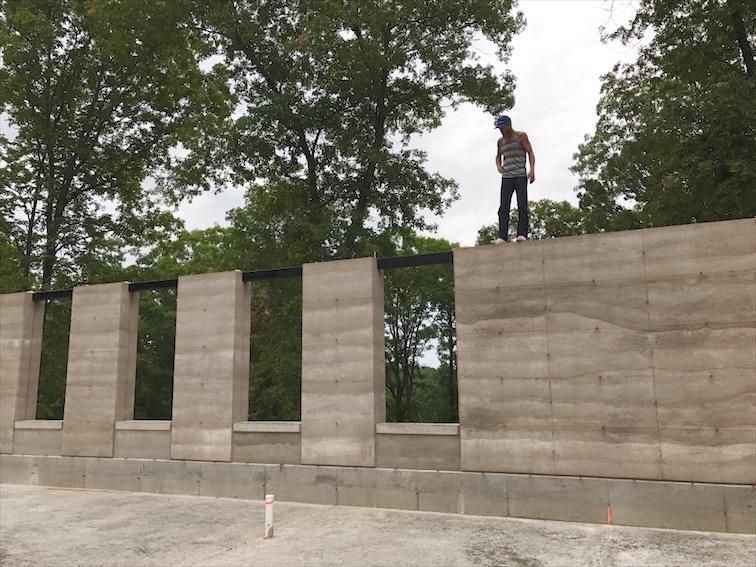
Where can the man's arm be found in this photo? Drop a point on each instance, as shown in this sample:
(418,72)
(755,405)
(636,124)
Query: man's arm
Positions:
(498,157)
(531,155)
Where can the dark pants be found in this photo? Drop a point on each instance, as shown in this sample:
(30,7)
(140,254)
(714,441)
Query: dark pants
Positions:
(509,186)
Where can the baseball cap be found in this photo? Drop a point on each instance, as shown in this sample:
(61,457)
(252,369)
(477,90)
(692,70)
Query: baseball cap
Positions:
(502,120)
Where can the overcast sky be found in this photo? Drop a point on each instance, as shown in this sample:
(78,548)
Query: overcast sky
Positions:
(558,61)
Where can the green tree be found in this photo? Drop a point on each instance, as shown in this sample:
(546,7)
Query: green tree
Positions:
(331,92)
(11,273)
(51,391)
(417,305)
(100,92)
(548,219)
(156,339)
(676,132)
(275,374)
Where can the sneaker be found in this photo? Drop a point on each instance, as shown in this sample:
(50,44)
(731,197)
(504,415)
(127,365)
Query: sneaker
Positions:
(498,241)
(520,238)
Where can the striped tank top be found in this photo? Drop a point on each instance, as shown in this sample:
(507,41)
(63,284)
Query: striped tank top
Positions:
(512,155)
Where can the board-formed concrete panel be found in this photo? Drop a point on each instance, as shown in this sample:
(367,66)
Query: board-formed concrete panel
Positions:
(111,474)
(38,437)
(277,445)
(641,363)
(711,247)
(668,505)
(101,368)
(707,401)
(709,455)
(20,346)
(587,258)
(232,480)
(418,451)
(211,368)
(503,449)
(343,373)
(170,477)
(145,439)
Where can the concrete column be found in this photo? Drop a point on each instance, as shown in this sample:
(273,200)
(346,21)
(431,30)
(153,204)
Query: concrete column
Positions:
(21,322)
(211,371)
(101,368)
(343,369)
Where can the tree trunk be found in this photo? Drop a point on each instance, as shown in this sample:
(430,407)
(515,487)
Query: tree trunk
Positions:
(742,36)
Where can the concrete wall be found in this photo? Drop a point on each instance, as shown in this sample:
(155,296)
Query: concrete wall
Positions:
(100,378)
(274,442)
(626,355)
(584,360)
(343,368)
(689,506)
(21,322)
(211,372)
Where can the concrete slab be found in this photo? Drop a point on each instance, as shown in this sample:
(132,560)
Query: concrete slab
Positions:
(105,528)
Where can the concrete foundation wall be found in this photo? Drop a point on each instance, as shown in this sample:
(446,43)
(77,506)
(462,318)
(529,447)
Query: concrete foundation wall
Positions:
(690,506)
(626,355)
(614,369)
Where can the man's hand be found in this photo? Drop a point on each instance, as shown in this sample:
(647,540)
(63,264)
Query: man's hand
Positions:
(531,176)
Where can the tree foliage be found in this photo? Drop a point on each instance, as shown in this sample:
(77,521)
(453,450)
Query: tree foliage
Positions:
(99,91)
(331,93)
(419,308)
(676,133)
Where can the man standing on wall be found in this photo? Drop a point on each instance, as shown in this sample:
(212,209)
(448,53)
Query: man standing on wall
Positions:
(510,161)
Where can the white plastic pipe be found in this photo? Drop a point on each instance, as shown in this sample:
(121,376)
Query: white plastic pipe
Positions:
(269,501)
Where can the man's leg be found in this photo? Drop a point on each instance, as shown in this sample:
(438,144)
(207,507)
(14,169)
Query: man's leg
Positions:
(507,188)
(521,185)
